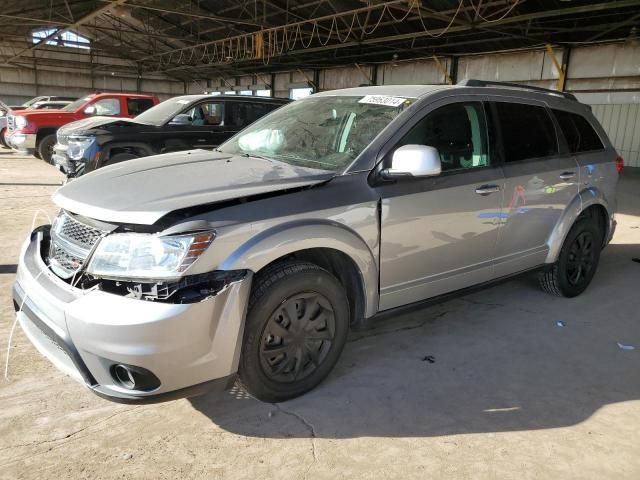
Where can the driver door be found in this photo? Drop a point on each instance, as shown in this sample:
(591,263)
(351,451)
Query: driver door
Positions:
(203,130)
(439,234)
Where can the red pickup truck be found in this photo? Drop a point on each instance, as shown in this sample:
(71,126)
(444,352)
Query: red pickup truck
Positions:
(34,131)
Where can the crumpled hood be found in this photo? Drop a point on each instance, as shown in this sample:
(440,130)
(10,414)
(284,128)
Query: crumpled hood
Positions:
(142,191)
(81,126)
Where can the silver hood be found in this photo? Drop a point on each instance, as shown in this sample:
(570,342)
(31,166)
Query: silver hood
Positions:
(144,190)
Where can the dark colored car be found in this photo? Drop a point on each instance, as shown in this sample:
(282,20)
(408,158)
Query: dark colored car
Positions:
(180,123)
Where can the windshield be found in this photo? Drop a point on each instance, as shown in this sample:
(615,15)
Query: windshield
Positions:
(319,132)
(73,106)
(163,112)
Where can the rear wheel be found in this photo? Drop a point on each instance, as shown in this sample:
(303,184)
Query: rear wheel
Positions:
(577,263)
(296,328)
(45,148)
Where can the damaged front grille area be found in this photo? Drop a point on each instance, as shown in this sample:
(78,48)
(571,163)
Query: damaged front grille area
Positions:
(71,244)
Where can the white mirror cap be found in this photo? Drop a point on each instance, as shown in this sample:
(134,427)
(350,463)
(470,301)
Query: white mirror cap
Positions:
(416,160)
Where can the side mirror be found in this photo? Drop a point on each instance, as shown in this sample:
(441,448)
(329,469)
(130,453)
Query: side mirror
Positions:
(413,161)
(181,119)
(90,110)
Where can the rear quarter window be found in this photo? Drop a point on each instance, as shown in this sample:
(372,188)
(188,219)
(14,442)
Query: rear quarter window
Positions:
(527,131)
(241,114)
(136,106)
(578,132)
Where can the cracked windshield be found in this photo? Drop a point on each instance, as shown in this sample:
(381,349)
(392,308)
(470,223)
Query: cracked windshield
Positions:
(325,133)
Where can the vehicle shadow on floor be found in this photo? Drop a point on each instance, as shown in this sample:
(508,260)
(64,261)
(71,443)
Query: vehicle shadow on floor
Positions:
(503,359)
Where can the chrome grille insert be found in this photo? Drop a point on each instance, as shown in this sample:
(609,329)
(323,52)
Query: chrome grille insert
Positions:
(71,244)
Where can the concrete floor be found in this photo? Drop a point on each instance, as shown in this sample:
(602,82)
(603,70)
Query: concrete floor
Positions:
(510,394)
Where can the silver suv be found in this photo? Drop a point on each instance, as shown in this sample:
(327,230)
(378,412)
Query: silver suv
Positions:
(174,273)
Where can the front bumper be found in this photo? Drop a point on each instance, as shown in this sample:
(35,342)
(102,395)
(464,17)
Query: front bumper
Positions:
(188,347)
(22,142)
(61,161)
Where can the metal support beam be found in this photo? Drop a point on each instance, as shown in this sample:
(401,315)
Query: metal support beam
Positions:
(90,16)
(561,68)
(443,70)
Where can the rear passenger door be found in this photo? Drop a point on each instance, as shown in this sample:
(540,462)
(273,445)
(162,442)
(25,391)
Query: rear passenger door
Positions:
(541,179)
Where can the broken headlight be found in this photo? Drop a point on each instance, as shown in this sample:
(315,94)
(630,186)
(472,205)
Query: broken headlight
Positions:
(78,146)
(137,255)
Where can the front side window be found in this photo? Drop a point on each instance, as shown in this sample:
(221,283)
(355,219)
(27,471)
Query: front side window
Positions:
(579,134)
(210,113)
(326,132)
(459,133)
(107,106)
(527,131)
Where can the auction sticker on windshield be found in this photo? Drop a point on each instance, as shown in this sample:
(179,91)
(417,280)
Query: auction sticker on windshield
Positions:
(383,100)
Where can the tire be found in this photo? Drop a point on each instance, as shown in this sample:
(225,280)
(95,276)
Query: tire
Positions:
(3,142)
(577,263)
(296,328)
(45,148)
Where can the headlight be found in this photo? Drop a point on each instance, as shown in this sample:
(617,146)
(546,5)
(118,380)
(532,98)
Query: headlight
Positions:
(78,146)
(136,255)
(21,122)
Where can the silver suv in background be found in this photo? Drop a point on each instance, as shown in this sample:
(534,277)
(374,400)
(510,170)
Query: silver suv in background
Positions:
(174,273)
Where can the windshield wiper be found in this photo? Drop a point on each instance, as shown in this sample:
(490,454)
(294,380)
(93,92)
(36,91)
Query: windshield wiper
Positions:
(256,155)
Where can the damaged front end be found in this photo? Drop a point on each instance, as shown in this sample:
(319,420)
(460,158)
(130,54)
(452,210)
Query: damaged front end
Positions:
(130,339)
(189,289)
(145,266)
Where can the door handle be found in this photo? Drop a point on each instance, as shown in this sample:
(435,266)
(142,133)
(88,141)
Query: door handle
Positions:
(487,189)
(567,175)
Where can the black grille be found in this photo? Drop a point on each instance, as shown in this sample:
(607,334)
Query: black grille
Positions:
(11,122)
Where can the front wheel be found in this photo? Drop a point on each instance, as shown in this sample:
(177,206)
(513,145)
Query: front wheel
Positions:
(577,263)
(45,148)
(296,328)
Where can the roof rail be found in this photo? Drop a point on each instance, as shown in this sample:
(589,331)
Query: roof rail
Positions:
(472,82)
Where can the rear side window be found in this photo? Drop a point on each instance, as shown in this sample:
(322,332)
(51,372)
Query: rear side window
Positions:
(580,135)
(138,105)
(527,131)
(241,114)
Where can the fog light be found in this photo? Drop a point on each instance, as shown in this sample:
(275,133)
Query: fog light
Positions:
(134,378)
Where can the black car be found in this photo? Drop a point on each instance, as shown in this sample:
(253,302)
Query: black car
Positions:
(180,123)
